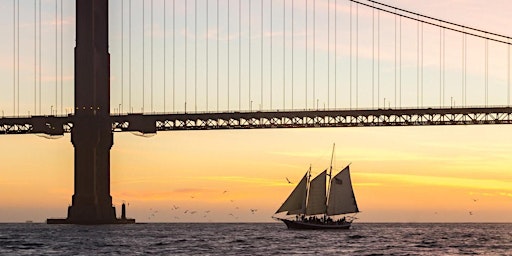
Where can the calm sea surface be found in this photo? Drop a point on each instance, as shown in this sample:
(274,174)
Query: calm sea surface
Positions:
(255,239)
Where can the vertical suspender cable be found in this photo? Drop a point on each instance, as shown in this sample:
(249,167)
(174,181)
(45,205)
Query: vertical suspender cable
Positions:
(173,55)
(130,108)
(418,64)
(357,55)
(40,69)
(261,57)
(165,54)
(284,54)
(239,54)
(35,57)
(122,55)
(56,55)
(207,45)
(508,72)
(328,53)
(444,65)
(186,51)
(18,58)
(350,64)
(14,57)
(462,65)
(143,53)
(195,56)
(395,57)
(400,69)
(422,63)
(217,57)
(61,57)
(486,71)
(229,40)
(306,57)
(314,53)
(18,61)
(373,55)
(440,65)
(152,63)
(293,48)
(335,53)
(271,53)
(378,58)
(250,39)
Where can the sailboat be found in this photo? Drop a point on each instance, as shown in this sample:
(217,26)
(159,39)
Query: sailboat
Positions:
(317,206)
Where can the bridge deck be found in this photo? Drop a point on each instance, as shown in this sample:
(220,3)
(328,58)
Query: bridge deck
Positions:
(152,123)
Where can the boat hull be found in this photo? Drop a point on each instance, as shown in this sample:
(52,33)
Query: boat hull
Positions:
(291,224)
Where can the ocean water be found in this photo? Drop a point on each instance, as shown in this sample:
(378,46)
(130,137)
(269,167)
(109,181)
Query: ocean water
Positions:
(255,239)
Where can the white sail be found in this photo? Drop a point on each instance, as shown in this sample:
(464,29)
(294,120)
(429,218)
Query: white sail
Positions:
(296,202)
(317,197)
(341,194)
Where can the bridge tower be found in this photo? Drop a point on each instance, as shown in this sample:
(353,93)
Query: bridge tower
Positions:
(92,135)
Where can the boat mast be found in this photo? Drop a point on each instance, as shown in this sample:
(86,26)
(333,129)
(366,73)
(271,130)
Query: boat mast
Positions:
(307,189)
(329,183)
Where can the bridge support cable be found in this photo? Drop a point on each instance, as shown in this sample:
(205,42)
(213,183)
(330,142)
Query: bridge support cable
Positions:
(336,54)
(186,54)
(306,58)
(508,74)
(152,62)
(350,57)
(228,54)
(130,108)
(240,55)
(486,72)
(373,58)
(357,56)
(284,54)
(35,57)
(271,52)
(400,64)
(165,54)
(378,59)
(314,55)
(143,54)
(261,56)
(328,53)
(207,46)
(122,57)
(435,22)
(40,55)
(195,55)
(174,54)
(293,49)
(395,80)
(61,56)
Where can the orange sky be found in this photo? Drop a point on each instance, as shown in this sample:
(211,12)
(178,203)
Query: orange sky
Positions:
(399,174)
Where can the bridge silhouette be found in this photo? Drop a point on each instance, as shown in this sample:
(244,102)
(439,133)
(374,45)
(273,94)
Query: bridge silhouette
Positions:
(92,121)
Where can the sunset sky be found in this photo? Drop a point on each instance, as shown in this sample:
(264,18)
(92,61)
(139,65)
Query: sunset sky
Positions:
(400,174)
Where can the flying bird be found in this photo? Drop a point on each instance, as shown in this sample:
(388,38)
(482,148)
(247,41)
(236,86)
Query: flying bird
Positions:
(470,213)
(225,191)
(289,182)
(254,210)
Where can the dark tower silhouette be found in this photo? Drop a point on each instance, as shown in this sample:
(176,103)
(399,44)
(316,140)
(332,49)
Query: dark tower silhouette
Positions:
(92,135)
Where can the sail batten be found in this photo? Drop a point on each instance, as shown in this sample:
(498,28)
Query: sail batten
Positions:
(317,196)
(296,202)
(341,195)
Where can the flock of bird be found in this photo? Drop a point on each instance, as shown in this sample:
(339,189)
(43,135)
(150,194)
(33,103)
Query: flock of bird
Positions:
(178,212)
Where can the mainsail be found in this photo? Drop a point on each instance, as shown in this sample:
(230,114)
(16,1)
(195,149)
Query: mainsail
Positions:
(341,194)
(317,197)
(296,202)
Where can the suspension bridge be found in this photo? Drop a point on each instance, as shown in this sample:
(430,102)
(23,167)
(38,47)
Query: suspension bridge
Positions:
(149,66)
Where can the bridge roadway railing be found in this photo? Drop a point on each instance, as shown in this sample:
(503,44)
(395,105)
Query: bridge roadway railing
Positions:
(152,123)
